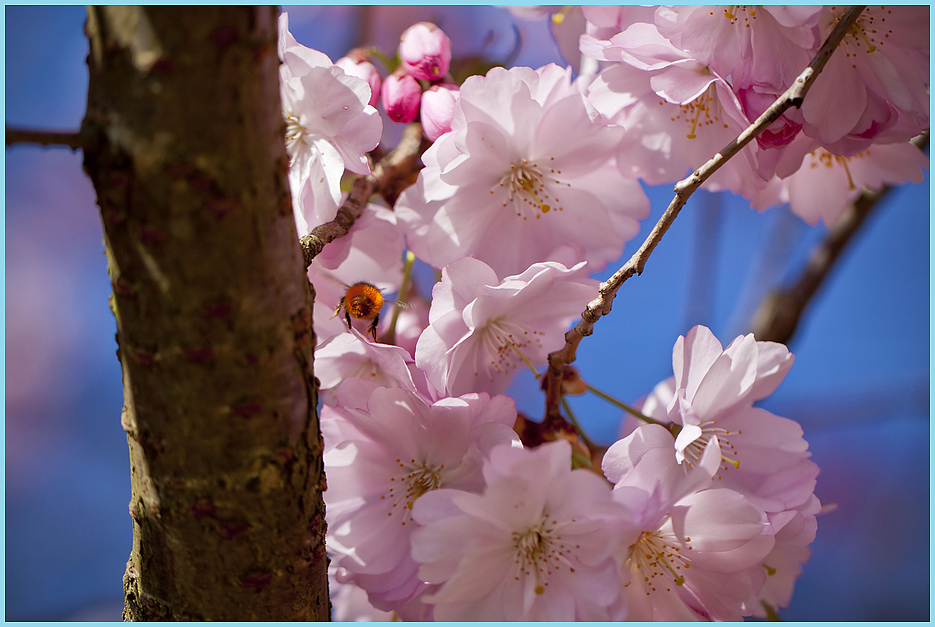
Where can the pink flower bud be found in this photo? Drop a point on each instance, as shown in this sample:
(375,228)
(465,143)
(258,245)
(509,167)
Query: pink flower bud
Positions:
(363,69)
(401,94)
(425,51)
(438,104)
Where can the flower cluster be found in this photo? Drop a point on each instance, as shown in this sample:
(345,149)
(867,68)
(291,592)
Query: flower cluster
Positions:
(436,510)
(685,80)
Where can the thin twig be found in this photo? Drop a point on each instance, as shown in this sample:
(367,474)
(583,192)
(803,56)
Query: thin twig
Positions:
(72,139)
(778,315)
(601,305)
(392,174)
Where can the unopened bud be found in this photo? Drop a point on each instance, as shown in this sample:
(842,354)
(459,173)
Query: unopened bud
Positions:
(361,68)
(425,51)
(401,94)
(438,105)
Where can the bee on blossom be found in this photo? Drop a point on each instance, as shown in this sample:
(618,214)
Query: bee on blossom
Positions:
(363,301)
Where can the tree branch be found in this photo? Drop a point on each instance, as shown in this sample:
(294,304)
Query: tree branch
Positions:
(777,317)
(601,306)
(392,174)
(72,139)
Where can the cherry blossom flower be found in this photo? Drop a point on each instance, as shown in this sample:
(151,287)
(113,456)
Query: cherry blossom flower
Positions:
(795,530)
(696,552)
(764,455)
(826,184)
(329,127)
(349,356)
(482,329)
(697,558)
(532,546)
(526,171)
(753,44)
(874,87)
(382,459)
(678,112)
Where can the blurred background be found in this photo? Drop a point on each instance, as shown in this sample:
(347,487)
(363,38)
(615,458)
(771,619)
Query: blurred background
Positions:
(859,387)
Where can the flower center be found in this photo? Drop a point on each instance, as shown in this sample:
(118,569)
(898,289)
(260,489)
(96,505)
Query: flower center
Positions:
(734,12)
(295,132)
(414,480)
(528,193)
(539,551)
(729,456)
(867,34)
(821,157)
(656,561)
(701,112)
(504,345)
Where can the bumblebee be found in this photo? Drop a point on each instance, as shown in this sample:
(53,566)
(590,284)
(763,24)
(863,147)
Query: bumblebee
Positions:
(364,302)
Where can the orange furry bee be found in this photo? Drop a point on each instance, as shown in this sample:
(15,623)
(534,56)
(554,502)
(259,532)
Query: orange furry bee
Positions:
(364,302)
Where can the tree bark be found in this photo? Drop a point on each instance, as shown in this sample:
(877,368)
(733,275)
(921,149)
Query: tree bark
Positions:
(184,144)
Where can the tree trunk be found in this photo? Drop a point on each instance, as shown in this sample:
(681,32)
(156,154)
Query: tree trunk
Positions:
(184,145)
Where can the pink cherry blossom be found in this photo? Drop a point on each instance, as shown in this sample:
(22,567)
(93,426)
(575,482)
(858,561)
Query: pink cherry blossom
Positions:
(697,558)
(795,530)
(526,171)
(532,546)
(350,355)
(677,112)
(329,127)
(824,185)
(382,459)
(425,51)
(874,88)
(752,44)
(481,329)
(762,456)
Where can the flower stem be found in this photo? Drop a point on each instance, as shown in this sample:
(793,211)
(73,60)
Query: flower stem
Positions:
(389,63)
(574,422)
(525,359)
(403,286)
(771,614)
(610,399)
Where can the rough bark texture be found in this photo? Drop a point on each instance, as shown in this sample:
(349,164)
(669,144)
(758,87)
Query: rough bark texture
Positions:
(186,152)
